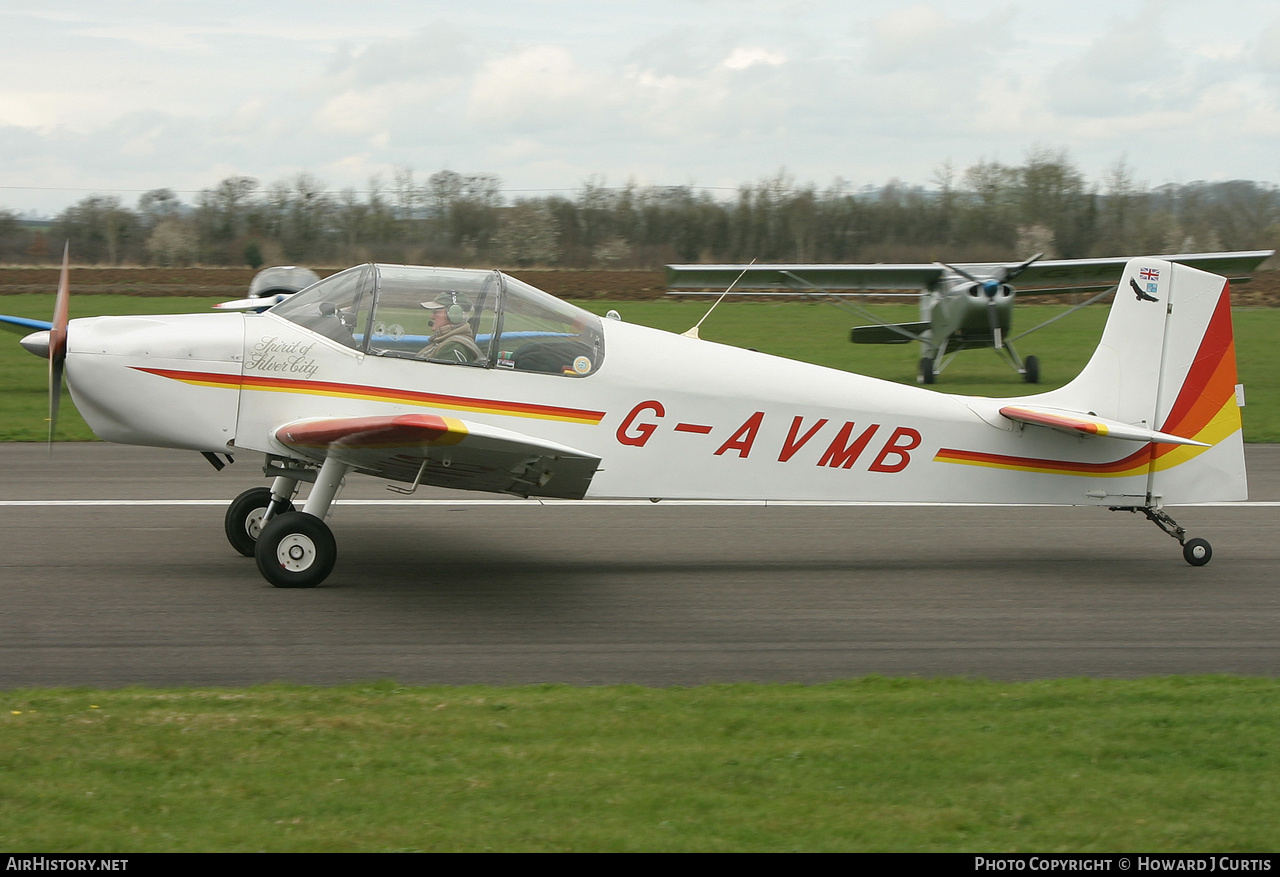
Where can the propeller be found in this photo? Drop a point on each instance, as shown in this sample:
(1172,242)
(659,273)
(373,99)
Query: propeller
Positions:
(58,341)
(990,287)
(1010,273)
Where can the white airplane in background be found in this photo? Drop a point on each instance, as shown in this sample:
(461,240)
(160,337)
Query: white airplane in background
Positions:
(962,307)
(547,400)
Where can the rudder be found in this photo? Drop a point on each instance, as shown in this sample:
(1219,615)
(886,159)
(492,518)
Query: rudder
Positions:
(1167,361)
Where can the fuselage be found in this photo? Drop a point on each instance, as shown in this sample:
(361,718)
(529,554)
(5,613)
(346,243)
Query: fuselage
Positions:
(963,313)
(669,416)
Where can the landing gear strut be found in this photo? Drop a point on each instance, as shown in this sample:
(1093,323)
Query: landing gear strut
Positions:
(293,549)
(297,549)
(1196,552)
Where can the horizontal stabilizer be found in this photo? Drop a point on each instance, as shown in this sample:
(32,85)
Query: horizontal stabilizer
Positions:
(445,452)
(1084,423)
(889,333)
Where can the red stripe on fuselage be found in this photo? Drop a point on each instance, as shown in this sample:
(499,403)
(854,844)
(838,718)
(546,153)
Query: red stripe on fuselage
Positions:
(385,394)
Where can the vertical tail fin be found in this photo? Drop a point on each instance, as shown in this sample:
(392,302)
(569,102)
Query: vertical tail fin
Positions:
(1167,361)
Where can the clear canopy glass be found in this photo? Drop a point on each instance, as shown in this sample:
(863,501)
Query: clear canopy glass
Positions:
(458,316)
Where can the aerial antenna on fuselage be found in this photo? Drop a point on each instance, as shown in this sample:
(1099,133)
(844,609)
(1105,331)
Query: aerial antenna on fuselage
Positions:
(693,333)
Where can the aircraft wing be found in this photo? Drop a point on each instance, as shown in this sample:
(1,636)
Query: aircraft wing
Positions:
(1055,275)
(1083,423)
(24,326)
(445,452)
(1067,275)
(802,278)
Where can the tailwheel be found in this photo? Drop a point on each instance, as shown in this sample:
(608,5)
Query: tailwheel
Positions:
(246,517)
(1197,551)
(296,550)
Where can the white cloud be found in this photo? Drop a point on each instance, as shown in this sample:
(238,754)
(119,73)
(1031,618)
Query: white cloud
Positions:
(749,56)
(534,86)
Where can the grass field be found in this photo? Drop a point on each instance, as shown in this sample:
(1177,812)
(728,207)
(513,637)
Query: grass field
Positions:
(798,330)
(1176,764)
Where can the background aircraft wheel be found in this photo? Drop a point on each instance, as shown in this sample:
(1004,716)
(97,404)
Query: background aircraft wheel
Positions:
(243,521)
(296,550)
(925,374)
(1031,370)
(1197,552)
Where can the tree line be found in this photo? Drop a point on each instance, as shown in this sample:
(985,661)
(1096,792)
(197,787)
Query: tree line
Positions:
(989,211)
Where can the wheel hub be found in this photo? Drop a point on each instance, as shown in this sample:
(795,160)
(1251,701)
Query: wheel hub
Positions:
(253,523)
(296,552)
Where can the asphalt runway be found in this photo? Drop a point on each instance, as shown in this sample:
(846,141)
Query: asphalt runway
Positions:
(128,579)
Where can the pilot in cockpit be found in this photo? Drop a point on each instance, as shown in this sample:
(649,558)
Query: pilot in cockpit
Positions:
(452,338)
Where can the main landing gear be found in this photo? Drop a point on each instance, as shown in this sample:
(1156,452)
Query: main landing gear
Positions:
(248,514)
(293,549)
(1196,552)
(929,367)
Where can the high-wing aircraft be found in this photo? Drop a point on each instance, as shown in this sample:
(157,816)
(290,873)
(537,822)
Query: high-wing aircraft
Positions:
(962,306)
(474,379)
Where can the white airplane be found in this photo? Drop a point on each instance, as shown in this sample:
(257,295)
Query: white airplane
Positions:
(354,374)
(962,307)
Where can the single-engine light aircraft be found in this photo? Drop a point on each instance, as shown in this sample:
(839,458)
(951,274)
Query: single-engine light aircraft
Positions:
(473,379)
(961,306)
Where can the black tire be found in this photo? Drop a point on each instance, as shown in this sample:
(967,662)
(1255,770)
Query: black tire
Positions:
(296,550)
(243,520)
(1031,370)
(1197,551)
(925,374)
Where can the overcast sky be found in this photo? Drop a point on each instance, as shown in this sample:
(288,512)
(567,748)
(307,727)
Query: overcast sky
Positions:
(120,97)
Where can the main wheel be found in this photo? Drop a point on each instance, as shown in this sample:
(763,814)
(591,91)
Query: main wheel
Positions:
(1197,552)
(243,521)
(296,550)
(925,374)
(1031,370)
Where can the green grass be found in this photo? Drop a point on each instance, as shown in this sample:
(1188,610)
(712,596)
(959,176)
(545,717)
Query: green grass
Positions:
(1175,764)
(799,330)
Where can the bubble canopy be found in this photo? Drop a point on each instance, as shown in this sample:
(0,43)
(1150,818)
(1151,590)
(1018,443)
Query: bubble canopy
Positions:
(458,316)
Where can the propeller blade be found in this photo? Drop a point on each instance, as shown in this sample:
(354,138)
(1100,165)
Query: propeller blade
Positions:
(58,341)
(963,273)
(1010,273)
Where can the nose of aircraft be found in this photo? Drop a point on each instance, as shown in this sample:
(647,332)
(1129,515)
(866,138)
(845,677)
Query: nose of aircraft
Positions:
(165,381)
